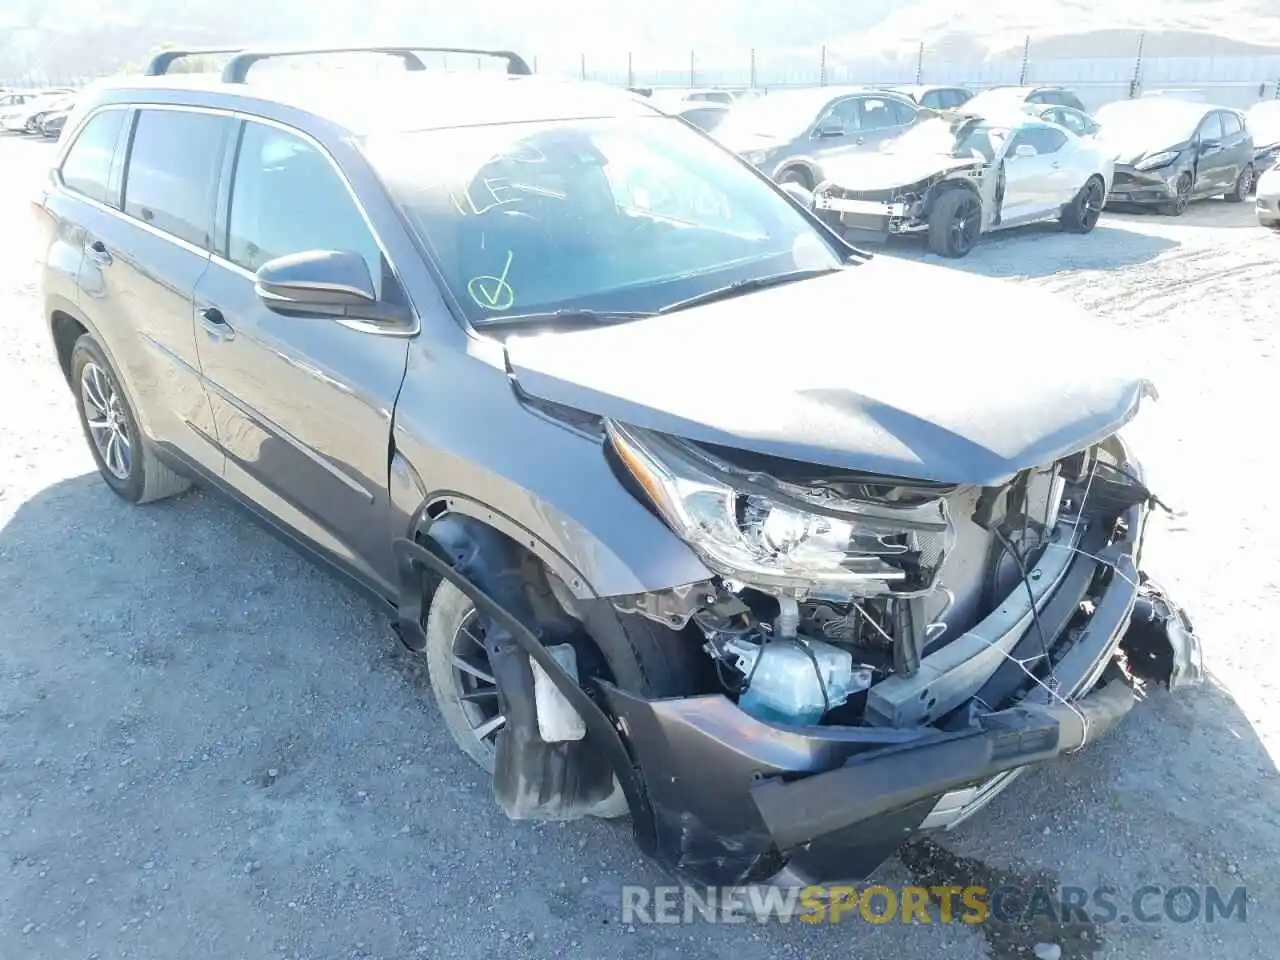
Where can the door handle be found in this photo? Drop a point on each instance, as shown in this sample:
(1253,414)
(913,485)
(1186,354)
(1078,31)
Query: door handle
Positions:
(99,253)
(215,324)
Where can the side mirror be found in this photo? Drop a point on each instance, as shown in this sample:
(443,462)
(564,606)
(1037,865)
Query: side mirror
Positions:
(326,278)
(326,283)
(829,128)
(1025,150)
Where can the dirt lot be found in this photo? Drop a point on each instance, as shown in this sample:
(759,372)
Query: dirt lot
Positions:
(209,748)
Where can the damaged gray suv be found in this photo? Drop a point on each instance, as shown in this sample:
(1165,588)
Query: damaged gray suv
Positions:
(693,514)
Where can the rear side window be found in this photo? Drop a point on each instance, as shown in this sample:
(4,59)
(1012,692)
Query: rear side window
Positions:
(172,176)
(1231,124)
(87,167)
(287,198)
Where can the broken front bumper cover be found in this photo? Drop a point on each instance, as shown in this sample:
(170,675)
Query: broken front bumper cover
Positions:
(723,798)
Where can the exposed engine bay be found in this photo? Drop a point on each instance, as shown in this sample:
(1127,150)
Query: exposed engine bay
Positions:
(900,571)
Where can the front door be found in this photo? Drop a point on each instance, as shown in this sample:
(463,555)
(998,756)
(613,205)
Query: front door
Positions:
(1213,161)
(303,405)
(1033,179)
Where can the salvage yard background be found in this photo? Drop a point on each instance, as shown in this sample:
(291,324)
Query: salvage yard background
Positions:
(210,749)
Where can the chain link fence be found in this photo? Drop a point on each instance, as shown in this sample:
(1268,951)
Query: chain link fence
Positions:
(1099,67)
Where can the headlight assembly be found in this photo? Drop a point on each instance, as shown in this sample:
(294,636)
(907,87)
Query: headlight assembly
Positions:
(782,538)
(1157,160)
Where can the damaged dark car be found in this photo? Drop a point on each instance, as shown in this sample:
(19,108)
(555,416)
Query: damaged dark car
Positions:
(610,425)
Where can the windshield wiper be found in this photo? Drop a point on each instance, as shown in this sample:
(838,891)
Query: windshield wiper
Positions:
(739,287)
(559,318)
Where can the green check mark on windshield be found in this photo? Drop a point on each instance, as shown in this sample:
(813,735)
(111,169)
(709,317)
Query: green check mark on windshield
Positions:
(493,293)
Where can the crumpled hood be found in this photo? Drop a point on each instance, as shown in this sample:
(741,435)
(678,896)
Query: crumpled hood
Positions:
(1129,153)
(882,171)
(891,367)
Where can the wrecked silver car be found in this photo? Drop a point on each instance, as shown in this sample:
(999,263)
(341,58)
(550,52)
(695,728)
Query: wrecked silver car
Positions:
(612,428)
(960,175)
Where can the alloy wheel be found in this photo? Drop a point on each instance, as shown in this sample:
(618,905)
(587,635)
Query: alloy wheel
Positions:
(472,682)
(108,423)
(965,227)
(1091,205)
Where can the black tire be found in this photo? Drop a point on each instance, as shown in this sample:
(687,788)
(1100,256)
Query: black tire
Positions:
(955,223)
(1243,186)
(797,175)
(653,661)
(1178,207)
(1081,214)
(127,459)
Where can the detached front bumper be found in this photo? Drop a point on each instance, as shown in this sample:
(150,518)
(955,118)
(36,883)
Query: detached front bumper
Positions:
(735,800)
(1130,185)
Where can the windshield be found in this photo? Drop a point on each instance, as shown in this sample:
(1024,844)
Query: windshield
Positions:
(963,137)
(1141,125)
(602,215)
(785,115)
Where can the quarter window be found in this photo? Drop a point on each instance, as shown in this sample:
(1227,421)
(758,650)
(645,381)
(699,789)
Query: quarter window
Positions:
(287,198)
(172,175)
(877,114)
(87,167)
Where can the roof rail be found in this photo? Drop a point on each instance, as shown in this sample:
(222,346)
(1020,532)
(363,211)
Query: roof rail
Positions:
(159,65)
(237,68)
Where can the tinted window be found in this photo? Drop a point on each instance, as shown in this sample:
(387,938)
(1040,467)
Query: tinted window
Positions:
(935,100)
(1211,127)
(1073,120)
(87,167)
(1231,124)
(286,198)
(960,97)
(876,114)
(902,113)
(1044,139)
(172,174)
(845,112)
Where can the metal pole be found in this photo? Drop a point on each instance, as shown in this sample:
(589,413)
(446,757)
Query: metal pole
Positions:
(753,72)
(582,62)
(1136,82)
(822,67)
(631,76)
(692,73)
(535,63)
(1026,57)
(920,63)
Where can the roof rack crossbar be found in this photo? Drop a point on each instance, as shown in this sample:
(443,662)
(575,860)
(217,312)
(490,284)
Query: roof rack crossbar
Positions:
(159,65)
(237,68)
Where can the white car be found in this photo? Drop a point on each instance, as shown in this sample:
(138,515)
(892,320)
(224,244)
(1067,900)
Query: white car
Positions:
(1266,200)
(955,177)
(16,117)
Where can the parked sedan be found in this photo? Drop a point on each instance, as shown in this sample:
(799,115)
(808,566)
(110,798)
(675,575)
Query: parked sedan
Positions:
(790,134)
(956,177)
(934,97)
(1169,152)
(1077,121)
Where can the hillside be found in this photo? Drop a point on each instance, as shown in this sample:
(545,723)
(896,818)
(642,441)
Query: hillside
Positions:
(66,37)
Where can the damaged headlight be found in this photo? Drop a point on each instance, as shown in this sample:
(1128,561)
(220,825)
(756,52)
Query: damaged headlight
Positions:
(1157,160)
(783,538)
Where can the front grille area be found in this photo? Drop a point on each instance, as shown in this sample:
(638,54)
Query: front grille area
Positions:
(877,196)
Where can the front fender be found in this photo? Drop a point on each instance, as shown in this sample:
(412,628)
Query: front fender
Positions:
(465,444)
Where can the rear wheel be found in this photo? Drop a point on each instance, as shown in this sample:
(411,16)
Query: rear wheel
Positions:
(124,455)
(1182,197)
(796,175)
(1081,215)
(1243,186)
(955,223)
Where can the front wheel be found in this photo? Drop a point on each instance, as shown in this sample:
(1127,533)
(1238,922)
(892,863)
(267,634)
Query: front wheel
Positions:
(955,223)
(1081,214)
(654,662)
(1182,197)
(796,175)
(124,455)
(1243,186)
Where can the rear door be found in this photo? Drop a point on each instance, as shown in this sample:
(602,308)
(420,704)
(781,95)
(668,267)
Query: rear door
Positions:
(303,404)
(881,119)
(146,247)
(1236,145)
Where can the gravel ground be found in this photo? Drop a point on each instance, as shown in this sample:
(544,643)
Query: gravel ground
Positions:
(209,748)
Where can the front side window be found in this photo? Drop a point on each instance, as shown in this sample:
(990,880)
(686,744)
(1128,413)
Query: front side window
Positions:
(172,174)
(286,197)
(87,167)
(604,215)
(1211,129)
(1231,124)
(1043,139)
